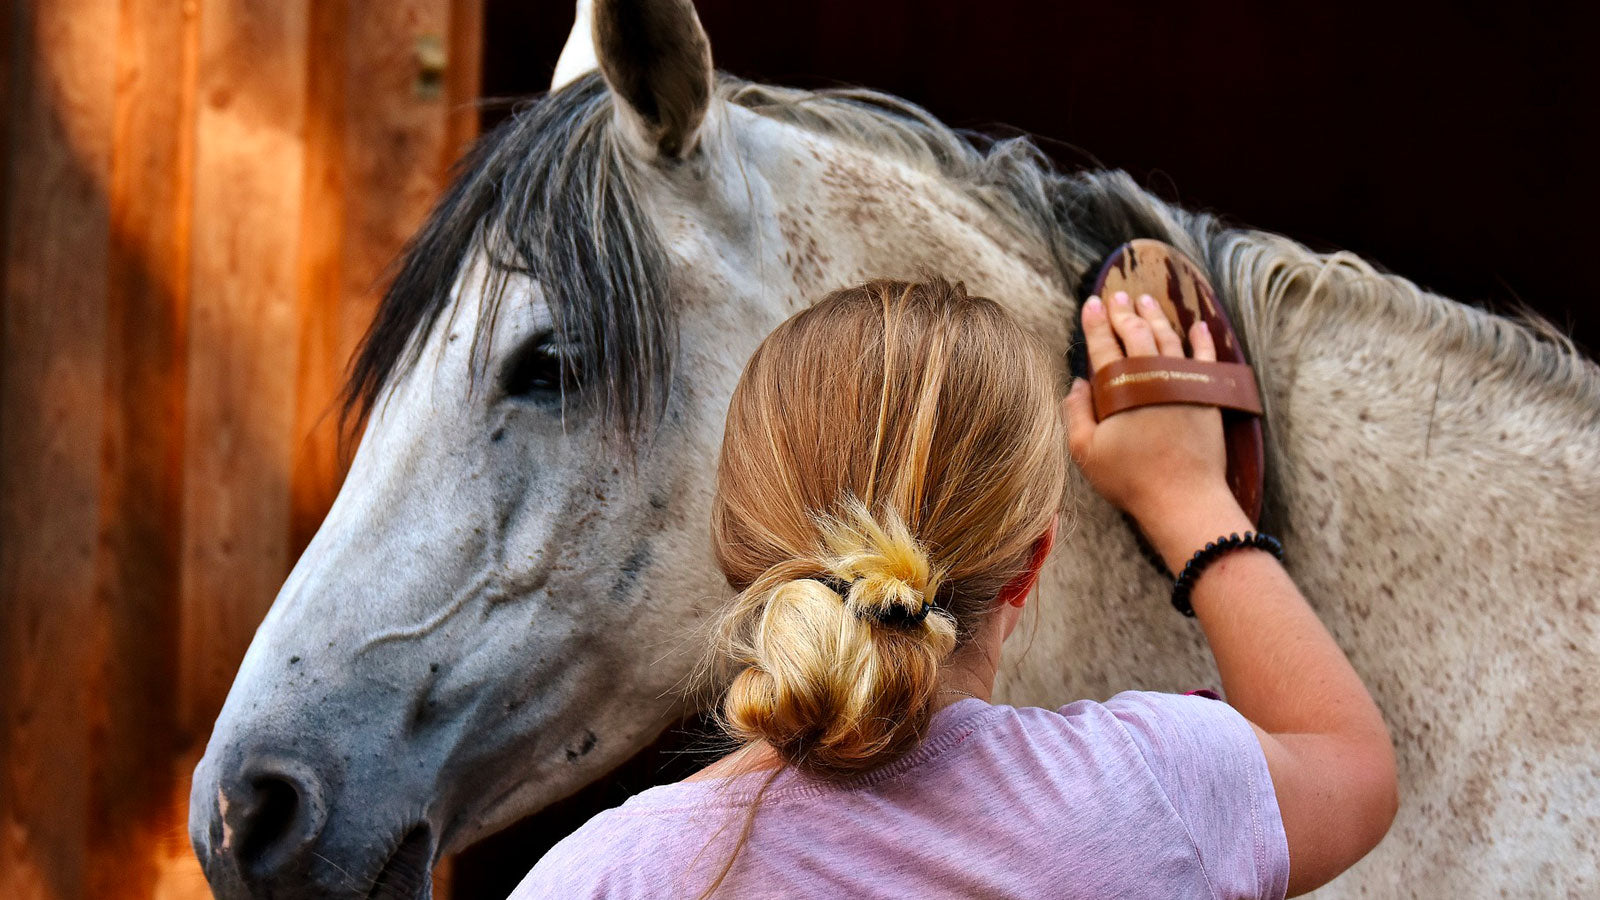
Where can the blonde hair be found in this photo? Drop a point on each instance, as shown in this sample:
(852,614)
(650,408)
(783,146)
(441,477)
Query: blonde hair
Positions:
(891,458)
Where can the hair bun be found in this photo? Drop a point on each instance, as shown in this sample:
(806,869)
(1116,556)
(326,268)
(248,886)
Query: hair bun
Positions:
(824,685)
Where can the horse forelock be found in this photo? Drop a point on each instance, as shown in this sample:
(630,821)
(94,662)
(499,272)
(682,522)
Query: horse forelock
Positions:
(550,195)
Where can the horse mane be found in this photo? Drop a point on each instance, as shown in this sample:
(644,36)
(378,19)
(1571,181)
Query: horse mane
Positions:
(1266,280)
(550,194)
(1289,293)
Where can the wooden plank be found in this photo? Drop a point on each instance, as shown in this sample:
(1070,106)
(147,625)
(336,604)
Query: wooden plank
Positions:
(249,161)
(51,383)
(379,147)
(464,79)
(316,469)
(141,497)
(397,143)
(198,208)
(178,874)
(11,55)
(401,137)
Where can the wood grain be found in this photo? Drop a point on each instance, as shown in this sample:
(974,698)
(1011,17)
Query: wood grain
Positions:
(142,445)
(51,383)
(249,160)
(315,467)
(197,204)
(464,79)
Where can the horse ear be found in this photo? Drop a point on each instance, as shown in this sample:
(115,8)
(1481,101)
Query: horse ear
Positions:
(657,60)
(577,54)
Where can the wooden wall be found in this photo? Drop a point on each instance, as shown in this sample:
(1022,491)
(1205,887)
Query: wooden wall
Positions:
(197,201)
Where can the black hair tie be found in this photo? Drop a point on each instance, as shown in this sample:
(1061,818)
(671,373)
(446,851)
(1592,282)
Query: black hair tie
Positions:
(837,585)
(894,615)
(1184,584)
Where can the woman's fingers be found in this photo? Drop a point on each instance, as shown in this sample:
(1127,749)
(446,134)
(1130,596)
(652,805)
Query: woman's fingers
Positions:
(1123,327)
(1167,340)
(1200,339)
(1102,344)
(1134,331)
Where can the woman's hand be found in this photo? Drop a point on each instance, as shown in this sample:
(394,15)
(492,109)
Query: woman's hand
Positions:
(1157,463)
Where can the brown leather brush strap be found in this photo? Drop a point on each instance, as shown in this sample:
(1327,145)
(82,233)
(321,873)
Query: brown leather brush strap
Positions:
(1145,380)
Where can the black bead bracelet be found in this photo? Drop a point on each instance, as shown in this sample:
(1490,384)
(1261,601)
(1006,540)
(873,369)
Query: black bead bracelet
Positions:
(1207,554)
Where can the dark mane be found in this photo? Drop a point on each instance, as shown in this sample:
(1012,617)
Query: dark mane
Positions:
(547,194)
(550,194)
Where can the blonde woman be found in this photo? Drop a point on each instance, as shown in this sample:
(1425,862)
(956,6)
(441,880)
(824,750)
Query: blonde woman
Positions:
(891,481)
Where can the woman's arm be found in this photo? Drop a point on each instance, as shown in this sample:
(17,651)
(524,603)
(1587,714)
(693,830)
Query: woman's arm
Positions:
(1326,745)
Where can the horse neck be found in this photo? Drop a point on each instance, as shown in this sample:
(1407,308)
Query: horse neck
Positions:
(1399,425)
(1403,364)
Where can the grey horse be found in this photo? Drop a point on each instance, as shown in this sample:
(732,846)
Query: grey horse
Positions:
(501,606)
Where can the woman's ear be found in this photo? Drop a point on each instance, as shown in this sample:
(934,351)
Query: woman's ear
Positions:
(1017,589)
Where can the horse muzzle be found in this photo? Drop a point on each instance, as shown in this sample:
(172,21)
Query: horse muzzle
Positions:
(261,827)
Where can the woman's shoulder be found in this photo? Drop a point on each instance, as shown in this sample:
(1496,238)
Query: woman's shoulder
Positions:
(1171,725)
(568,869)
(1203,759)
(1134,736)
(1129,715)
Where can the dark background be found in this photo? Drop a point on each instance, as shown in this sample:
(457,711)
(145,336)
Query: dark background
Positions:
(1453,145)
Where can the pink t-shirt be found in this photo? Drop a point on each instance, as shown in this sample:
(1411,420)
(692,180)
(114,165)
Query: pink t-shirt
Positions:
(1145,795)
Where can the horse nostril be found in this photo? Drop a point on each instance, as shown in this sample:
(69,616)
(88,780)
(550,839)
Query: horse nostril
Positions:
(269,821)
(271,814)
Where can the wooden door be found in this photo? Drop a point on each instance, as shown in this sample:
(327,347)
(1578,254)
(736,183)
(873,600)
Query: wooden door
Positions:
(198,200)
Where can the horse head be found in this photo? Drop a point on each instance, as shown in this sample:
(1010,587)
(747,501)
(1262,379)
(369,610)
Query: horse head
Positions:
(501,605)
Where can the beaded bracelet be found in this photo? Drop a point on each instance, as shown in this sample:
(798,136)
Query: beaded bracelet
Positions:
(1207,554)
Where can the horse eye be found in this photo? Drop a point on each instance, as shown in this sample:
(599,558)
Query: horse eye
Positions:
(537,370)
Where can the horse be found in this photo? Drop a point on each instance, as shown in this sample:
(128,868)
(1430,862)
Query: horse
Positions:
(502,604)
